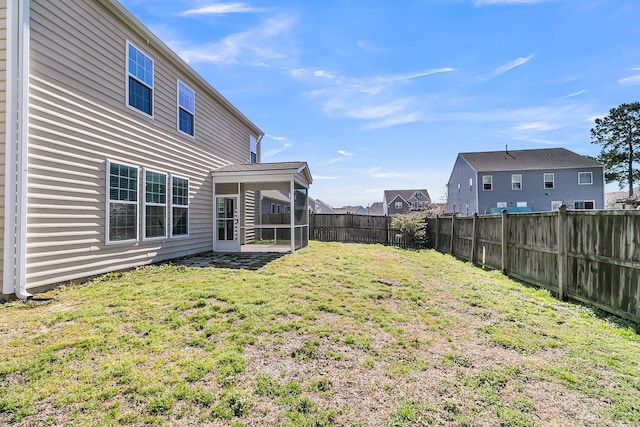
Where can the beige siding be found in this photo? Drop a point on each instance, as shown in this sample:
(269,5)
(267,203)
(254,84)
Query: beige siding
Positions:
(3,106)
(79,120)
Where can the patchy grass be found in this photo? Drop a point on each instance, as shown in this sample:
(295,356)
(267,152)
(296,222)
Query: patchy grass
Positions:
(335,334)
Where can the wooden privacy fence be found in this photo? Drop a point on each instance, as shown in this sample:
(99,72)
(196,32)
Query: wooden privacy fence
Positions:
(588,256)
(353,228)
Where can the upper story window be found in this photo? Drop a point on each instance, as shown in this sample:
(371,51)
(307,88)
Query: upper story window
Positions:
(155,205)
(186,109)
(516,182)
(398,205)
(122,221)
(487,183)
(585,178)
(140,80)
(549,181)
(253,157)
(470,184)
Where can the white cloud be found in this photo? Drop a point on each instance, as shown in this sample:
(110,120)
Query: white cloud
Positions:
(571,95)
(411,76)
(323,74)
(222,8)
(272,151)
(630,81)
(267,43)
(344,153)
(508,67)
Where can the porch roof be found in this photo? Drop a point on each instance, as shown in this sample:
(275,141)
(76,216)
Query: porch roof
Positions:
(256,173)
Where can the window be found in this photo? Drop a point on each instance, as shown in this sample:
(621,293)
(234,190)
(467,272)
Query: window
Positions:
(155,204)
(179,206)
(501,205)
(549,180)
(140,80)
(521,204)
(470,184)
(516,182)
(398,205)
(186,108)
(585,178)
(555,205)
(122,222)
(583,204)
(253,149)
(487,183)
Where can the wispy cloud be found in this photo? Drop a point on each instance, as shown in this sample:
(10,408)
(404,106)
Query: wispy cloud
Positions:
(263,45)
(343,154)
(221,9)
(507,67)
(631,80)
(578,93)
(282,145)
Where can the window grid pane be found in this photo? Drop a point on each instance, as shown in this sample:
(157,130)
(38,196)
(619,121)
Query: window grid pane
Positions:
(156,187)
(154,221)
(185,120)
(122,221)
(140,66)
(139,96)
(186,98)
(180,221)
(585,178)
(180,189)
(123,182)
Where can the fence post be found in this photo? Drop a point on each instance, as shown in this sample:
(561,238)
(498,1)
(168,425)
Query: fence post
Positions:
(504,263)
(562,252)
(474,239)
(453,220)
(386,225)
(437,238)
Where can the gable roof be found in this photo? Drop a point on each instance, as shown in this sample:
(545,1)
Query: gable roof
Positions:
(264,172)
(513,160)
(405,195)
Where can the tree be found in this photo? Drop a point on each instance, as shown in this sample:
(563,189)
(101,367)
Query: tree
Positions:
(619,135)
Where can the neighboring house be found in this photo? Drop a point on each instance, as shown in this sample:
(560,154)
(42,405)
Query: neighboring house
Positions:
(525,180)
(621,200)
(321,207)
(115,151)
(353,210)
(274,201)
(396,202)
(376,208)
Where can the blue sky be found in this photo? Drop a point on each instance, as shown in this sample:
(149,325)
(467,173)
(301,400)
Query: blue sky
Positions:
(383,94)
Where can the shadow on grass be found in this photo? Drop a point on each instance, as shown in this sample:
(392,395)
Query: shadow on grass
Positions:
(240,261)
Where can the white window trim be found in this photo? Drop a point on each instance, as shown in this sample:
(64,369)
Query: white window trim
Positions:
(514,181)
(553,181)
(178,108)
(171,206)
(108,202)
(145,204)
(395,205)
(584,201)
(490,182)
(585,183)
(501,204)
(126,79)
(555,204)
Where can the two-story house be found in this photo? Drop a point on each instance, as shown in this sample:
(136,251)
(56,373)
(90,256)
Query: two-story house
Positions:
(396,202)
(527,180)
(114,152)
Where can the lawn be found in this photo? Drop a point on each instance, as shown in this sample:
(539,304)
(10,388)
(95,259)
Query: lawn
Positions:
(335,334)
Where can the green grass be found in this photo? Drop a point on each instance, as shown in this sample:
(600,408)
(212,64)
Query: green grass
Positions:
(335,334)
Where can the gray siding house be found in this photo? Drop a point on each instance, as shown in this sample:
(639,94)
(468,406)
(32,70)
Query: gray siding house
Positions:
(395,202)
(114,151)
(525,180)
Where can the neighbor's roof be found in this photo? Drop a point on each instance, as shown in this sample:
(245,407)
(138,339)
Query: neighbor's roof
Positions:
(514,160)
(406,195)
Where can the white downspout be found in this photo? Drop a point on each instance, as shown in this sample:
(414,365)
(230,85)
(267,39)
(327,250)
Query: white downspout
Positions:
(17,134)
(292,215)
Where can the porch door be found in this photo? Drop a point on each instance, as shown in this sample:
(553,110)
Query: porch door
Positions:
(227,220)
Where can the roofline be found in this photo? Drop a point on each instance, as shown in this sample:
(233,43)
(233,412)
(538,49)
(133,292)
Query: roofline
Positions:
(138,27)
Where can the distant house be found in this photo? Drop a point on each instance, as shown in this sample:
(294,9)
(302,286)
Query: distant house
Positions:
(353,210)
(525,180)
(274,201)
(321,207)
(115,152)
(376,208)
(404,201)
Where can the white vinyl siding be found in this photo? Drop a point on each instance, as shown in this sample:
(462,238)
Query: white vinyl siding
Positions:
(79,118)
